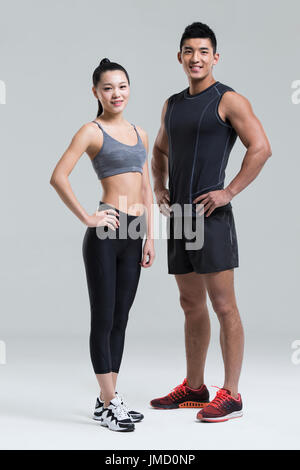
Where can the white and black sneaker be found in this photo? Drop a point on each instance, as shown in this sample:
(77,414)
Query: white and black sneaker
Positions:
(115,417)
(98,409)
(136,416)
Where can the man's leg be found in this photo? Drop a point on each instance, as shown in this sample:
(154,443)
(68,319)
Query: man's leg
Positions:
(220,287)
(197,325)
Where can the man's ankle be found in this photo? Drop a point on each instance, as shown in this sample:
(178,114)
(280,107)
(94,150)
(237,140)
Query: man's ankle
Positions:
(233,391)
(195,384)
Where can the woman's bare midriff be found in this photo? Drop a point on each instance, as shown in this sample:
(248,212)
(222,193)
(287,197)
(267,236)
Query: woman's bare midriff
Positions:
(124,192)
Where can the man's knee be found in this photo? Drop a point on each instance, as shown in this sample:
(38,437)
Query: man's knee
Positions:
(224,308)
(192,305)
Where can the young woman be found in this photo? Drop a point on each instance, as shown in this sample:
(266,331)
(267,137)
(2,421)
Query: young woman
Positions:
(112,248)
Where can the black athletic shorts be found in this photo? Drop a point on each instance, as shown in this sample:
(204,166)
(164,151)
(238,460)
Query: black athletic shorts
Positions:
(219,250)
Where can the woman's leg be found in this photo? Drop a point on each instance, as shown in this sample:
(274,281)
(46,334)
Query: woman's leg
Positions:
(114,379)
(107,387)
(128,274)
(100,264)
(127,279)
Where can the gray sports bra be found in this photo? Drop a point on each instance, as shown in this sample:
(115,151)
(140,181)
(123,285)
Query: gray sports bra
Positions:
(114,157)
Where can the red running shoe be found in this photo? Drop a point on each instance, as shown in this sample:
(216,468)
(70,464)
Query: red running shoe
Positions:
(222,408)
(183,396)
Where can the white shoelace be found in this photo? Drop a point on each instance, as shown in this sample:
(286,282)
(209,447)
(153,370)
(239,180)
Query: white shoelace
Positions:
(120,412)
(124,404)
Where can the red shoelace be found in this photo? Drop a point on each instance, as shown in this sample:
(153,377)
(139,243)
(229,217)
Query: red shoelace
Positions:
(179,391)
(220,398)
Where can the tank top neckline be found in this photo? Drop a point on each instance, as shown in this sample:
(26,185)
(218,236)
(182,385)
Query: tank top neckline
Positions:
(121,143)
(188,96)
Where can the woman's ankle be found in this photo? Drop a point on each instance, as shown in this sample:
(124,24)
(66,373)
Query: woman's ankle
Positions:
(107,399)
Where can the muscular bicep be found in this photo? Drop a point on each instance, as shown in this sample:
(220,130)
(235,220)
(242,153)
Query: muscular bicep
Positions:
(161,141)
(78,145)
(241,116)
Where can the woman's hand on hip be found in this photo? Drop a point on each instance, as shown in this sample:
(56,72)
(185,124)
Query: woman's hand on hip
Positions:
(107,217)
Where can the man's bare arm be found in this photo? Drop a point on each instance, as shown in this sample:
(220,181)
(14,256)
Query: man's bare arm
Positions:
(238,110)
(159,162)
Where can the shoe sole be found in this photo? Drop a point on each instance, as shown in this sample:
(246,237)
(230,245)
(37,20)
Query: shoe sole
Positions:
(129,429)
(137,420)
(134,420)
(235,414)
(97,418)
(186,404)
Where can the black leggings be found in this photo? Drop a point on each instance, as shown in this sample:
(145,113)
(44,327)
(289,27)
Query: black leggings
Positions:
(112,271)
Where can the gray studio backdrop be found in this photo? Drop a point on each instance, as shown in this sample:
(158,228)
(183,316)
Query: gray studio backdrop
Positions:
(48,52)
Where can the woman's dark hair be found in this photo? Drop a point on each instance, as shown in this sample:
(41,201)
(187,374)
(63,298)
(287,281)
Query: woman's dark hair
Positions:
(104,66)
(199,30)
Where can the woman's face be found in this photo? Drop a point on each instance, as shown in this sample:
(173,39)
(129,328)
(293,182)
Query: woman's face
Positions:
(113,91)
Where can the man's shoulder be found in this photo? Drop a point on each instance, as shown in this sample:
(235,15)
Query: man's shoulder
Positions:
(219,87)
(176,96)
(223,87)
(232,102)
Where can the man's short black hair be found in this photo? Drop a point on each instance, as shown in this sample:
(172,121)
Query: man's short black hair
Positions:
(199,30)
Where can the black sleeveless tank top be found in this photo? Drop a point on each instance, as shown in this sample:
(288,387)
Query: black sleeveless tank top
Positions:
(199,143)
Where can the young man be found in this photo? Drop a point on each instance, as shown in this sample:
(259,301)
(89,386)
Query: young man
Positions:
(199,127)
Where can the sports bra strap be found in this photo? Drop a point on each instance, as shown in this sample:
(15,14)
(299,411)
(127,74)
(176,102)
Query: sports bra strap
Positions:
(138,135)
(98,124)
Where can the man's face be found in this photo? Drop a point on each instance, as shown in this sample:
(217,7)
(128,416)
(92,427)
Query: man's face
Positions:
(197,57)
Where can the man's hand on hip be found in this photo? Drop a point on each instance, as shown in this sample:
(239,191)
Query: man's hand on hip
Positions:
(163,201)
